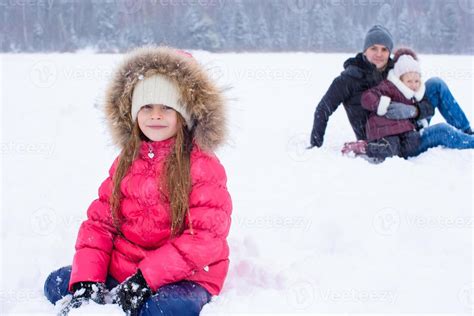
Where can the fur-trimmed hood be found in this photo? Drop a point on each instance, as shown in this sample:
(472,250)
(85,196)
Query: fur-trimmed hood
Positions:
(199,94)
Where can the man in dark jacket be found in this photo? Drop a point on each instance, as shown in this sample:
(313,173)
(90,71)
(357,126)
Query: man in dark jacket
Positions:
(362,72)
(366,70)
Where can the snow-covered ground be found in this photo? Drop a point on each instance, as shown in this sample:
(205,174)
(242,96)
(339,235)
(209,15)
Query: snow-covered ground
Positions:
(313,231)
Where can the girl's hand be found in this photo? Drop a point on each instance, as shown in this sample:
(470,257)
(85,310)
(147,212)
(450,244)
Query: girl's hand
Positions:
(425,110)
(401,111)
(82,292)
(133,293)
(90,290)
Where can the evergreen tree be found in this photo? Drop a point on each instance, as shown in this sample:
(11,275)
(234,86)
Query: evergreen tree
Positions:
(433,38)
(449,28)
(317,37)
(358,35)
(279,23)
(200,31)
(71,39)
(225,22)
(262,36)
(264,25)
(404,29)
(327,30)
(242,35)
(304,36)
(343,32)
(385,17)
(106,31)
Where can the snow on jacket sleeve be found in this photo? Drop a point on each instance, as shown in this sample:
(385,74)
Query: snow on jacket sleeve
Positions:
(95,238)
(203,241)
(376,99)
(338,92)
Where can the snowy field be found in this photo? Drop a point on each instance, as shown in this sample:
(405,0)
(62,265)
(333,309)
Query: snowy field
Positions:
(313,232)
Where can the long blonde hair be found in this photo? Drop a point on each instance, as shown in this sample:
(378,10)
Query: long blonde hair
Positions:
(176,180)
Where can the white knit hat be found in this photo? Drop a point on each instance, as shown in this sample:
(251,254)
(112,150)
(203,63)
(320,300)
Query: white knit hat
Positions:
(406,64)
(158,89)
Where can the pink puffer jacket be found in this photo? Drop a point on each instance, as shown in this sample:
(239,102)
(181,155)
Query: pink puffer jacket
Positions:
(200,254)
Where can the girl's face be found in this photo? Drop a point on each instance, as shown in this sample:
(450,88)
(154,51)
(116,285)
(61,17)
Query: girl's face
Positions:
(412,80)
(157,121)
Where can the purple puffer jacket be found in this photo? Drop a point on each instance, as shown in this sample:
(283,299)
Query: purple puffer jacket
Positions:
(377,101)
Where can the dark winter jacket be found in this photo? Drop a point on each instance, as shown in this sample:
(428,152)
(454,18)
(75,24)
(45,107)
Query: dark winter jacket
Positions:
(358,76)
(377,101)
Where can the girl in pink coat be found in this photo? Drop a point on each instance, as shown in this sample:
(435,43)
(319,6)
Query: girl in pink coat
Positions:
(155,239)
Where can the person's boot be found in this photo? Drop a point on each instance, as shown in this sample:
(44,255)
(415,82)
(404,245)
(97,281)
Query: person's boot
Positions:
(356,148)
(468,131)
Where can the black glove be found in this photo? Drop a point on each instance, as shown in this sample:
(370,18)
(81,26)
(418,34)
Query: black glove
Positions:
(425,110)
(90,290)
(83,292)
(401,111)
(316,140)
(133,293)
